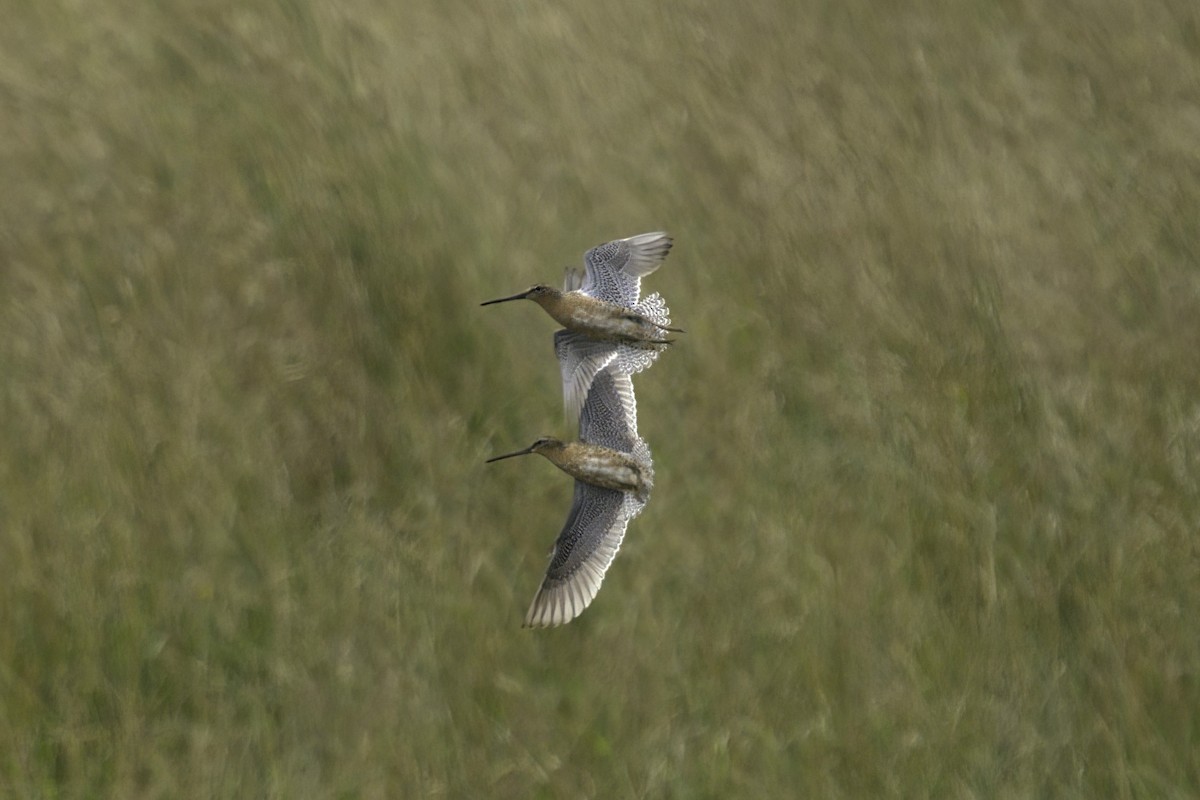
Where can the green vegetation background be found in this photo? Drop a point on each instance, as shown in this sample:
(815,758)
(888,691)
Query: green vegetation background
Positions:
(928,456)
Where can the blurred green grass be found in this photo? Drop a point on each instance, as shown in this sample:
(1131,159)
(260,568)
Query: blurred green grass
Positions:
(928,458)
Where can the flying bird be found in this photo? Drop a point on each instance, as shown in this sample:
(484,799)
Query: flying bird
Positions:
(614,474)
(605,323)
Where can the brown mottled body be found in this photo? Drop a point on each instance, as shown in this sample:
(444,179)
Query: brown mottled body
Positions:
(590,463)
(599,319)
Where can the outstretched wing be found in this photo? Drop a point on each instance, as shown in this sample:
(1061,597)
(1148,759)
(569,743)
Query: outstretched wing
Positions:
(572,279)
(580,358)
(615,269)
(609,419)
(609,416)
(582,554)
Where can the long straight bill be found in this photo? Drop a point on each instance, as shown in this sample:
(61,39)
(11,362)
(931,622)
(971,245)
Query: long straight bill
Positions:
(518,296)
(524,452)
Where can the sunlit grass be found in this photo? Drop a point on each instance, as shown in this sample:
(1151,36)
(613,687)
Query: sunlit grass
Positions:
(928,458)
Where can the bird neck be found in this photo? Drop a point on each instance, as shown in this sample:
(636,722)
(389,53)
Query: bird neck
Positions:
(548,299)
(556,456)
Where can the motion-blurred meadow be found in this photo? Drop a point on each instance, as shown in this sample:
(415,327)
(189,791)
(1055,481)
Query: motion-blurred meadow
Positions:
(928,457)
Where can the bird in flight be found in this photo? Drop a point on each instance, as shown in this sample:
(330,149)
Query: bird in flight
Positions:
(614,474)
(604,321)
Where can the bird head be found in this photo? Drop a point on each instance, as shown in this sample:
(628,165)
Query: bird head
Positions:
(536,293)
(544,445)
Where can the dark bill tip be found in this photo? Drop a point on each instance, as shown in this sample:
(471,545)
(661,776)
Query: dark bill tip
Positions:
(524,452)
(518,296)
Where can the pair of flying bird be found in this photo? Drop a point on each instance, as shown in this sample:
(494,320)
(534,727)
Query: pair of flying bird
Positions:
(609,334)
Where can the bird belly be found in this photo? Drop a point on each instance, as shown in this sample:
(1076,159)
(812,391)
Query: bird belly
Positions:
(609,323)
(606,472)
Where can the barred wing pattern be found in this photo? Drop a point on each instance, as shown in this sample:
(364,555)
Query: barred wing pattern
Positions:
(582,554)
(609,419)
(598,391)
(613,273)
(599,517)
(615,269)
(580,358)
